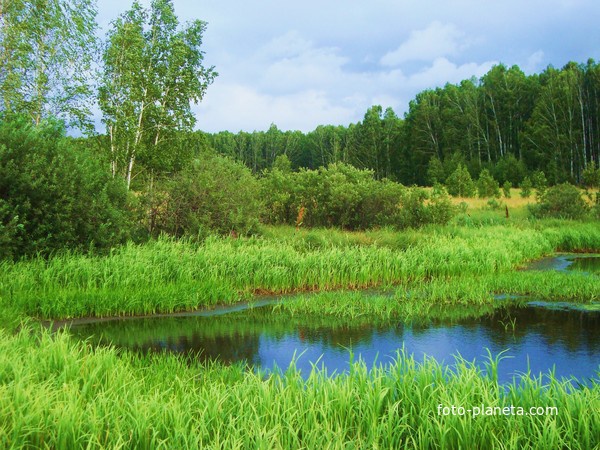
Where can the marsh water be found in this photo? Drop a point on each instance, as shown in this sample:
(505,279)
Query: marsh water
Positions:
(536,336)
(533,336)
(587,263)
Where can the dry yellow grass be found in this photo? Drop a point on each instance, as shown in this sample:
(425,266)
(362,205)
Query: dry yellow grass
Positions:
(515,200)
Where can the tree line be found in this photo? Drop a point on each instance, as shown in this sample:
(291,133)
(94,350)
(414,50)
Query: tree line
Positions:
(507,122)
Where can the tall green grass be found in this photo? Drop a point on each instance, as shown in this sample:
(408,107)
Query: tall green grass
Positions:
(168,275)
(59,393)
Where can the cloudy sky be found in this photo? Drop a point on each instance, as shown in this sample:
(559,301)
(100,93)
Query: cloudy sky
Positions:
(302,64)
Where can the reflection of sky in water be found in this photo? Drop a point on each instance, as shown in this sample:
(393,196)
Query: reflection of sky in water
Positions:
(440,343)
(566,340)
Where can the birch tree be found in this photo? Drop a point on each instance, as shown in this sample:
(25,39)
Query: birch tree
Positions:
(47,49)
(153,71)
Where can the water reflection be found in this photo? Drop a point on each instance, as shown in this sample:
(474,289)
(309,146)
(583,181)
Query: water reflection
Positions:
(537,338)
(588,263)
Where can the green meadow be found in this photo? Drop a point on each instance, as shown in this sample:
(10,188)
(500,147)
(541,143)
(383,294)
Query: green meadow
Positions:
(57,391)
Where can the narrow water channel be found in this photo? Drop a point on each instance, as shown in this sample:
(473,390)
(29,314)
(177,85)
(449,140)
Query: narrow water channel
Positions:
(532,337)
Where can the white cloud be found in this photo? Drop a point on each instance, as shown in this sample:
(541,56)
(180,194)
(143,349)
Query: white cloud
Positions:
(229,105)
(307,67)
(443,71)
(289,45)
(534,62)
(435,41)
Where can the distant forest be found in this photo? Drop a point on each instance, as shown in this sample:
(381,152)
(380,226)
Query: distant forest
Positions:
(507,122)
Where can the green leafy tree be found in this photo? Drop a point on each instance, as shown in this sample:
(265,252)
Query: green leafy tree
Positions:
(539,182)
(591,176)
(506,187)
(152,73)
(435,171)
(283,163)
(277,191)
(509,168)
(460,183)
(46,52)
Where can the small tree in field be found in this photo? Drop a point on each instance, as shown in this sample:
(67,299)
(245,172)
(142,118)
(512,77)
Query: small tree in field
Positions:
(539,182)
(506,187)
(591,176)
(435,171)
(561,201)
(526,187)
(487,186)
(459,183)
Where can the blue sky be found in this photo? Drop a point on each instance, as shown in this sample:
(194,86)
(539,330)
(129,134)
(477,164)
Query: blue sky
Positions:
(303,64)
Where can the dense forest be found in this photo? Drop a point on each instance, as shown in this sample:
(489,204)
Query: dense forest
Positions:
(506,121)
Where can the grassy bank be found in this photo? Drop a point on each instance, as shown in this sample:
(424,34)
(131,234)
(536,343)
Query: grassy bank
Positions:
(167,275)
(63,394)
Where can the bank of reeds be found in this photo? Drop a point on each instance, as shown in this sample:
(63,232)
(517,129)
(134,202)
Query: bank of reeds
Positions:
(168,275)
(59,393)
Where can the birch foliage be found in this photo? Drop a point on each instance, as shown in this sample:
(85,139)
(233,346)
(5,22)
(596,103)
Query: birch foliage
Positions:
(153,71)
(47,48)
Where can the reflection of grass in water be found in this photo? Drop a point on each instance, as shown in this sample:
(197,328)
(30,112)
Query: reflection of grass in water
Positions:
(58,393)
(592,307)
(280,320)
(590,264)
(510,324)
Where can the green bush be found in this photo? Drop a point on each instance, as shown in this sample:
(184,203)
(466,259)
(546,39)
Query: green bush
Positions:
(336,195)
(441,208)
(561,201)
(417,208)
(413,212)
(493,204)
(344,196)
(212,194)
(591,176)
(53,195)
